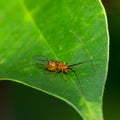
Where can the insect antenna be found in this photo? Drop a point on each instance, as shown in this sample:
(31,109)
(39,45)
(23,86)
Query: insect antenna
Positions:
(79,63)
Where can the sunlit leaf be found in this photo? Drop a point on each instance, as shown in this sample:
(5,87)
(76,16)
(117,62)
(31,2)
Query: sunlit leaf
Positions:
(66,30)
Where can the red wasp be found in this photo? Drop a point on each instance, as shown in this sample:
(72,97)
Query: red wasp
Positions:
(57,66)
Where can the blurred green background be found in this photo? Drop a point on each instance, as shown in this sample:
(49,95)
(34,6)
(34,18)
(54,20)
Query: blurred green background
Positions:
(20,102)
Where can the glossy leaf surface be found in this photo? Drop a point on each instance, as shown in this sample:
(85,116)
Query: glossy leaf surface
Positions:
(69,31)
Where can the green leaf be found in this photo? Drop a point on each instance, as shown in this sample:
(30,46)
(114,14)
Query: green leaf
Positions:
(66,30)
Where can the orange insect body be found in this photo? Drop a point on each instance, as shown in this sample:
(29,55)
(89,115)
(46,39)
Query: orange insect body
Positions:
(57,67)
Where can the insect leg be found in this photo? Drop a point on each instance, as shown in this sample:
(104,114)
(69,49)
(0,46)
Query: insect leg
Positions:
(74,73)
(63,75)
(77,82)
(48,60)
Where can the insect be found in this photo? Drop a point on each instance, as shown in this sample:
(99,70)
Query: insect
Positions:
(57,66)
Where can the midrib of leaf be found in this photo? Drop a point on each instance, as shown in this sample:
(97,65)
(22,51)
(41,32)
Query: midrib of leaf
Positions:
(89,114)
(29,17)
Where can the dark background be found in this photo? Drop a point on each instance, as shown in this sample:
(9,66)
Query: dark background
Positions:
(112,91)
(19,102)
